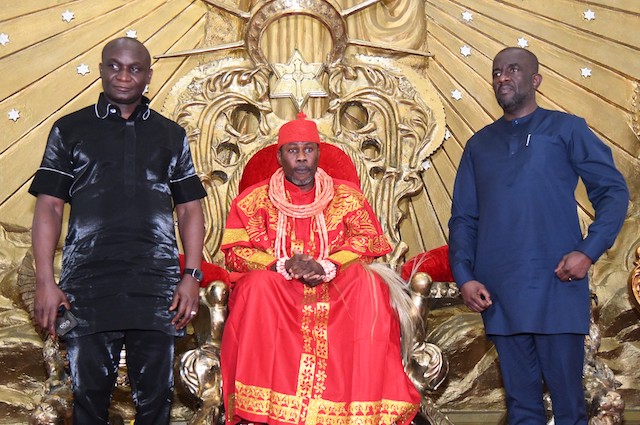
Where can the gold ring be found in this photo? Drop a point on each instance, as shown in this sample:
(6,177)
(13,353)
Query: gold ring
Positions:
(193,312)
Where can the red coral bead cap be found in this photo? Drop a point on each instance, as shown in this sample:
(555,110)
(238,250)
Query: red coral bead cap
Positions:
(298,130)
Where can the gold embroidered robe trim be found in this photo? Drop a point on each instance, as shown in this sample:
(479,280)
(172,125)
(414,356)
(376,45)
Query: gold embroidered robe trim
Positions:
(251,259)
(359,413)
(287,408)
(235,235)
(344,258)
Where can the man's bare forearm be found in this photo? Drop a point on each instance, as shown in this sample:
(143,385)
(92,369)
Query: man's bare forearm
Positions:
(191,228)
(46,229)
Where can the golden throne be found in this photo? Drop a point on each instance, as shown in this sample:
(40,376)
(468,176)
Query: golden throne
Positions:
(199,368)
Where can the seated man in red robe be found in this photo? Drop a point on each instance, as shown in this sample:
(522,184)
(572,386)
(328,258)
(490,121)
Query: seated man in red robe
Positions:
(311,336)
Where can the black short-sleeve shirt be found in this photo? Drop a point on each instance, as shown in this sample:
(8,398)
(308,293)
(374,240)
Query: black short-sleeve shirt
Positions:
(122,179)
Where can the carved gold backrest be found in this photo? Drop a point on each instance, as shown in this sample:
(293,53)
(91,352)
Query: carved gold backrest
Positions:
(376,115)
(382,111)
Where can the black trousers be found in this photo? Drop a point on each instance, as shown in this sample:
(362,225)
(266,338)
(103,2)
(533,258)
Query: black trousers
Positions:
(93,360)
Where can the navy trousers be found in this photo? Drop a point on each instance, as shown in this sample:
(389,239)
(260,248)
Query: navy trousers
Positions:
(93,360)
(527,362)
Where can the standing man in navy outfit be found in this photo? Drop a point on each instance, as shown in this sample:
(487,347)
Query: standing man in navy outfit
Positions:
(516,248)
(124,168)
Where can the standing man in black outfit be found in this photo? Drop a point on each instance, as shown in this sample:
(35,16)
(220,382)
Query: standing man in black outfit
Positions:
(123,168)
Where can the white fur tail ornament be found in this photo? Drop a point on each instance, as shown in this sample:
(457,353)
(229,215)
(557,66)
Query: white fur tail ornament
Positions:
(425,364)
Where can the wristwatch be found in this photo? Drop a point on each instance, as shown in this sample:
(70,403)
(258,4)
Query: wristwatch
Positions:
(195,273)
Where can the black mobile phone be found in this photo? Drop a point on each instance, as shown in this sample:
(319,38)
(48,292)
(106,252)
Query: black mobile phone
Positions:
(65,321)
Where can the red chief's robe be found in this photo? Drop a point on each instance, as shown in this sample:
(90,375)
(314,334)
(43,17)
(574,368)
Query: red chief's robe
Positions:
(292,354)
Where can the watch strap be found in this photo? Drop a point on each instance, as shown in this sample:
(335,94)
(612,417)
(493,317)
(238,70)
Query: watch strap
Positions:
(195,273)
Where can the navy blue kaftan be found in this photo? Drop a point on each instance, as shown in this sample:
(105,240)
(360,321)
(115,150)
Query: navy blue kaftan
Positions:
(514,216)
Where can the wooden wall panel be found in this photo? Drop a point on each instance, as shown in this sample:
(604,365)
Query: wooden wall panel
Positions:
(43,24)
(15,9)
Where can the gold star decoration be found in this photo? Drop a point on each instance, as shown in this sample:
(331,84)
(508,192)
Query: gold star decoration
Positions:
(298,80)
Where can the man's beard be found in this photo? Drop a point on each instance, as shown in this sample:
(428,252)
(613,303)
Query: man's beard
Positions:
(300,183)
(519,100)
(513,104)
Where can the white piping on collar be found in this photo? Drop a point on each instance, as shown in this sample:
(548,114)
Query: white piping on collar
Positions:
(95,107)
(146,113)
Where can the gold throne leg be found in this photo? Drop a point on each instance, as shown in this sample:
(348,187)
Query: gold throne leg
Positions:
(428,366)
(200,368)
(56,404)
(605,405)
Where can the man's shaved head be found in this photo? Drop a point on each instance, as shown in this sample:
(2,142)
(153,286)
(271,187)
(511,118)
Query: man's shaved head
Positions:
(529,59)
(127,42)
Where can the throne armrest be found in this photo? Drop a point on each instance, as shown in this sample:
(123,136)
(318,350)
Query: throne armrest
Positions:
(434,263)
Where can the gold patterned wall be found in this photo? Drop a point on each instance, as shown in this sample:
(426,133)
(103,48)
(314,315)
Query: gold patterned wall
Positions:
(49,55)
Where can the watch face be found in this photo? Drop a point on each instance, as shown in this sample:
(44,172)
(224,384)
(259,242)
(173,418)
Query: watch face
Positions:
(198,275)
(195,273)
